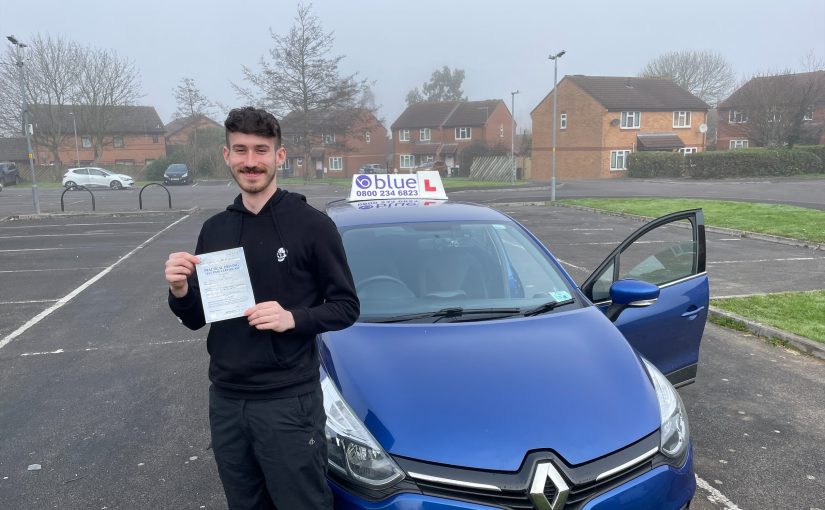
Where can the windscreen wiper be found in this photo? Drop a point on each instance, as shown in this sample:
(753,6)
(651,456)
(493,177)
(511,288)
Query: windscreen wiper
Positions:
(546,307)
(452,312)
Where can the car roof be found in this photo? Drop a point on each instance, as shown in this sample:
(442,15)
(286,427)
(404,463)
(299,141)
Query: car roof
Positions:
(374,212)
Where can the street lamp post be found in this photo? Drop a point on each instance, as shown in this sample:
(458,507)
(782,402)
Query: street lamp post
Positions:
(555,58)
(513,133)
(76,148)
(19,63)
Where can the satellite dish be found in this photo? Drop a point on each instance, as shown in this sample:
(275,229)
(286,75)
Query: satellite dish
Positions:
(614,122)
(703,128)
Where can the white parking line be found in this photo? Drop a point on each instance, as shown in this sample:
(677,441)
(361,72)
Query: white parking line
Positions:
(48,270)
(68,297)
(97,233)
(28,227)
(34,249)
(716,496)
(591,229)
(27,302)
(113,347)
(573,266)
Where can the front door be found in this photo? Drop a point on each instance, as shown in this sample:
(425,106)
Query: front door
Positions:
(670,253)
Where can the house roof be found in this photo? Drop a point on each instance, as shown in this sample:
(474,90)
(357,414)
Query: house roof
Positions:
(659,141)
(446,114)
(13,149)
(649,94)
(125,119)
(184,122)
(785,84)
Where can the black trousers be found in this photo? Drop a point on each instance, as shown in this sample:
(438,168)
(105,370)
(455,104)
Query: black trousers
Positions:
(271,454)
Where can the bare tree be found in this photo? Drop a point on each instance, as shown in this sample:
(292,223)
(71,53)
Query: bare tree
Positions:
(106,81)
(51,88)
(779,107)
(706,75)
(301,80)
(444,85)
(191,102)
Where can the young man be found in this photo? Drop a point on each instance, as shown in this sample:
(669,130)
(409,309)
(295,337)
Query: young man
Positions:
(265,403)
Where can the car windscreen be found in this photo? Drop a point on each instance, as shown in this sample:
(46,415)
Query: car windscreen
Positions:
(176,169)
(457,269)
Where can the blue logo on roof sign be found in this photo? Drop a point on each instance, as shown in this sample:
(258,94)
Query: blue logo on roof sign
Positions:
(363,181)
(426,185)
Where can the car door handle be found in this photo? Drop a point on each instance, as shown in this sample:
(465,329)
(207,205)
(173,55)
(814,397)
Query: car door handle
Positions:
(692,313)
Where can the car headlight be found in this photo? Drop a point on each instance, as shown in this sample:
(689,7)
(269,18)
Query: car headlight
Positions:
(674,430)
(351,449)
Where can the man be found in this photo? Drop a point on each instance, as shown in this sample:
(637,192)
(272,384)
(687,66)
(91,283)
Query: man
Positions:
(265,403)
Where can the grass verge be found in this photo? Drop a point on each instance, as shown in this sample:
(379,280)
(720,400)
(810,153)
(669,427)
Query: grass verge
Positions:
(798,312)
(774,219)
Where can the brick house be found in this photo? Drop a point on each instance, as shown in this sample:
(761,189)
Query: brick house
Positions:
(604,118)
(441,131)
(16,151)
(135,136)
(178,130)
(354,138)
(748,117)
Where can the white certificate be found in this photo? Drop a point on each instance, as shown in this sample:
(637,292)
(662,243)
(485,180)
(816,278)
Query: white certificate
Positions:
(226,291)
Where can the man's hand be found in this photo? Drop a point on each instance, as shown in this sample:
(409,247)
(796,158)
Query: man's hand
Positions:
(270,315)
(180,266)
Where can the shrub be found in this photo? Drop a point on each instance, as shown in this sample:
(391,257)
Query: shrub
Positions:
(154,171)
(655,164)
(819,150)
(751,162)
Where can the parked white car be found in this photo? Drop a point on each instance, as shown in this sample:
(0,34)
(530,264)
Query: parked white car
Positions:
(94,177)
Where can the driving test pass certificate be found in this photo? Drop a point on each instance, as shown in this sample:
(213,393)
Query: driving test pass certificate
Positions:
(226,290)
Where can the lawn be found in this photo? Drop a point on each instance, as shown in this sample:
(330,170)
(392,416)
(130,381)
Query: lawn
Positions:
(774,219)
(802,313)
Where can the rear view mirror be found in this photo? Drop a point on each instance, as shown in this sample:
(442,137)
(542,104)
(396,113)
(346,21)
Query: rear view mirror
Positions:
(630,294)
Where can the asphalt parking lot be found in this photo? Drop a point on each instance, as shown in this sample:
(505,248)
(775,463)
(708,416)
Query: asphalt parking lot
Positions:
(102,387)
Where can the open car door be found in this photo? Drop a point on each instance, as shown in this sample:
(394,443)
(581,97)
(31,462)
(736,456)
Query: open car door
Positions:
(668,252)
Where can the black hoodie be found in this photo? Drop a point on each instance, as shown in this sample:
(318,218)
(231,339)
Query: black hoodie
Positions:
(295,257)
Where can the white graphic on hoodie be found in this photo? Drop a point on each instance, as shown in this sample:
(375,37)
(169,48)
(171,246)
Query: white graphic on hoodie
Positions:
(281,254)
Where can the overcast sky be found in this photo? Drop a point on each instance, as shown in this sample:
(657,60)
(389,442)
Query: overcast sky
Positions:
(502,46)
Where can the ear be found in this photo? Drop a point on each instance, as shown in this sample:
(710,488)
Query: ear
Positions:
(226,155)
(280,155)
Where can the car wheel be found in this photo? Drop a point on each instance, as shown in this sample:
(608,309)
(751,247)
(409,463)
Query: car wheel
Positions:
(70,184)
(2,181)
(16,180)
(116,185)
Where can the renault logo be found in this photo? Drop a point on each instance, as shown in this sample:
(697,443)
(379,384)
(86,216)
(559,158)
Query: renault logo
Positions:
(548,483)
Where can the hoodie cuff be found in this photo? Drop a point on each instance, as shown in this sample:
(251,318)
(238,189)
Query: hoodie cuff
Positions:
(303,322)
(186,302)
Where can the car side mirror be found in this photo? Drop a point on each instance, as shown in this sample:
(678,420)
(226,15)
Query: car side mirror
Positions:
(630,294)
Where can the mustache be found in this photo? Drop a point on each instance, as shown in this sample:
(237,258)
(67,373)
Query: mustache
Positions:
(252,169)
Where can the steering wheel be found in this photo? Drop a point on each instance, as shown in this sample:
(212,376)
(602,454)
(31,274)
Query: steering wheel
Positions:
(395,283)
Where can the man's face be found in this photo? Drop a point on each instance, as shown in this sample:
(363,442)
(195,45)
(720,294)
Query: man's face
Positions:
(253,161)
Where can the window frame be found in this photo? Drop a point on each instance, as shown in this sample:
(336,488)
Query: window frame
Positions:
(737,116)
(468,131)
(408,158)
(336,164)
(636,116)
(368,137)
(117,141)
(738,144)
(614,158)
(86,142)
(808,115)
(688,150)
(403,135)
(421,136)
(681,119)
(562,121)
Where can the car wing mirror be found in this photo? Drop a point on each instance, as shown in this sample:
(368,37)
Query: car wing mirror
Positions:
(630,294)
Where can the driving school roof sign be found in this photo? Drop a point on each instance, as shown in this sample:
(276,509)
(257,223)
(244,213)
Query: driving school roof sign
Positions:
(425,185)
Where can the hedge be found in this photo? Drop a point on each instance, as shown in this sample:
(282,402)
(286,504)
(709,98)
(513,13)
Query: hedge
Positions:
(751,162)
(655,164)
(819,150)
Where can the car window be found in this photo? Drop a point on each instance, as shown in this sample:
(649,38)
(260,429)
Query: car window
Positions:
(423,267)
(82,171)
(661,256)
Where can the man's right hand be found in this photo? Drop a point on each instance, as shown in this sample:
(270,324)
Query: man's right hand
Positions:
(180,266)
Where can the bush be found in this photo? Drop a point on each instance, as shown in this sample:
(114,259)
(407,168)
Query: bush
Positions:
(655,164)
(751,162)
(819,150)
(154,172)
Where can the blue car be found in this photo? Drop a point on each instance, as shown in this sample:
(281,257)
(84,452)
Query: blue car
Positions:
(481,376)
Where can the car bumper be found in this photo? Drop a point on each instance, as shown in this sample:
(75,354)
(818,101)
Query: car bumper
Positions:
(662,488)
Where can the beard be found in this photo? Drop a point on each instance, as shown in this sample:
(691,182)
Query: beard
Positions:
(260,184)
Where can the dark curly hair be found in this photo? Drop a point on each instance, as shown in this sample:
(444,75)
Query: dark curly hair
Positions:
(253,121)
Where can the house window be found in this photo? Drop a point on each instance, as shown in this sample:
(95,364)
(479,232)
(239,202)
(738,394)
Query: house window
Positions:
(501,131)
(286,165)
(336,164)
(329,138)
(681,119)
(630,120)
(563,121)
(125,162)
(688,150)
(154,138)
(809,114)
(368,137)
(407,161)
(737,117)
(87,142)
(148,162)
(117,141)
(463,133)
(427,159)
(300,162)
(403,135)
(738,144)
(774,116)
(424,134)
(618,160)
(296,138)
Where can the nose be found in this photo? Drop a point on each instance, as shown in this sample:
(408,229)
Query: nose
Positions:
(249,160)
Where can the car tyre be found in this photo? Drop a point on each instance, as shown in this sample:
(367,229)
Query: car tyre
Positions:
(116,185)
(70,184)
(16,180)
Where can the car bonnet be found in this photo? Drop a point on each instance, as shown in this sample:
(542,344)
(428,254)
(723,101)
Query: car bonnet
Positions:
(484,394)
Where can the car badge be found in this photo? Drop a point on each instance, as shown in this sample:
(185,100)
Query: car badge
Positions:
(549,490)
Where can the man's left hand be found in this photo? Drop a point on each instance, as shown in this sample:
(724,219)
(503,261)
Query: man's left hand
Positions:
(270,315)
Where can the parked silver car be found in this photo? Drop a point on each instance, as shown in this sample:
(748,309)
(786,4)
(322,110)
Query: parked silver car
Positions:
(94,177)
